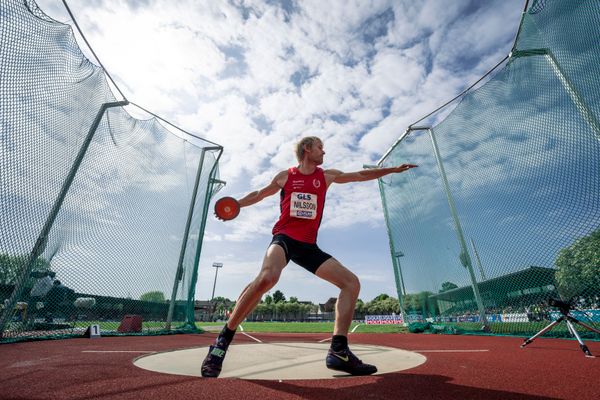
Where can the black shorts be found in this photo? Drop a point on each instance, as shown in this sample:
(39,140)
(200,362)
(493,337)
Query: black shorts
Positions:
(307,255)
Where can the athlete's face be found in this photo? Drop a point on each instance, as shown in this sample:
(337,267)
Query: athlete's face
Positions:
(316,153)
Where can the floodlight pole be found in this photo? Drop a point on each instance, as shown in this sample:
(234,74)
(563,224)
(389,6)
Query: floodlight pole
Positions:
(465,258)
(478,260)
(216,266)
(212,297)
(399,254)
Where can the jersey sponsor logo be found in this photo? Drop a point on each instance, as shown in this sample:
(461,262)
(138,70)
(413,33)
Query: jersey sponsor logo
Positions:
(297,184)
(303,205)
(316,183)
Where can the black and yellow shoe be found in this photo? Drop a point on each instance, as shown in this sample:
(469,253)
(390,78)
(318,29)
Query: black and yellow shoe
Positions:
(212,364)
(345,361)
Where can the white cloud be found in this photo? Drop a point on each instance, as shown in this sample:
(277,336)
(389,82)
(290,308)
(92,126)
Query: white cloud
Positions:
(392,74)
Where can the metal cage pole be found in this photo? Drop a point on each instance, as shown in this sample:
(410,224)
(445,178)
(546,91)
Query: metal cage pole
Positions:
(588,115)
(397,276)
(465,258)
(179,273)
(209,193)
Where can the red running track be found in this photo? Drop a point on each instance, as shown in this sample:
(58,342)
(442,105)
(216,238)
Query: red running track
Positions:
(70,369)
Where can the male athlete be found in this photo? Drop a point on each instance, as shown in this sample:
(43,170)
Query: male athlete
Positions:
(302,191)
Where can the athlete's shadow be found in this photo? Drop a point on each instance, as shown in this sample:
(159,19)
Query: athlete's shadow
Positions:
(390,386)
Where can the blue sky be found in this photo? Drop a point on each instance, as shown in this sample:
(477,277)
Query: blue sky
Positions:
(255,76)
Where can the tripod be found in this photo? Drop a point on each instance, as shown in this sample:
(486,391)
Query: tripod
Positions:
(564,309)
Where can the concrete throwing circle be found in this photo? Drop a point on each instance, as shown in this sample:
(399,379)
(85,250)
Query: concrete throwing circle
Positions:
(278,361)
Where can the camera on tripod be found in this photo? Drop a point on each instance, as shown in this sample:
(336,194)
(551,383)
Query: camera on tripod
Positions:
(563,306)
(571,321)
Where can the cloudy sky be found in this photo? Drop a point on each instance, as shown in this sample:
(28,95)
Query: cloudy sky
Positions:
(255,76)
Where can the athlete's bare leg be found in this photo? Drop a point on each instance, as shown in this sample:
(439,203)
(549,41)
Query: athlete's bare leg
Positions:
(339,357)
(333,271)
(273,263)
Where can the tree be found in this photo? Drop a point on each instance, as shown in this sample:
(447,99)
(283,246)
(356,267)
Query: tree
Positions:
(278,296)
(279,309)
(382,296)
(374,307)
(268,299)
(448,286)
(360,306)
(578,268)
(155,297)
(411,302)
(391,305)
(382,304)
(293,299)
(261,311)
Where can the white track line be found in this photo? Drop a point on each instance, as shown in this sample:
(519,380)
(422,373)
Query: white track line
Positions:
(450,351)
(353,329)
(241,328)
(118,351)
(252,337)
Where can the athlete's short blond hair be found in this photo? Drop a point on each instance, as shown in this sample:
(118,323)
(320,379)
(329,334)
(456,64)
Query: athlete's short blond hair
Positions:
(305,141)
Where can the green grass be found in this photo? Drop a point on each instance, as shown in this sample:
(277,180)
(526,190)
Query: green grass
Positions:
(260,327)
(307,327)
(524,329)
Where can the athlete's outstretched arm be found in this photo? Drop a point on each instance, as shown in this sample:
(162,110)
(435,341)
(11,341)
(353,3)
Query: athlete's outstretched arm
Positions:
(276,184)
(336,176)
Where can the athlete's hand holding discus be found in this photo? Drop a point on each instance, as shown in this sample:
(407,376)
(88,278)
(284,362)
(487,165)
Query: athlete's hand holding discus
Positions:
(227,208)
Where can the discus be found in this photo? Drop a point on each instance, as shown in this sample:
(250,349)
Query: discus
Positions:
(227,208)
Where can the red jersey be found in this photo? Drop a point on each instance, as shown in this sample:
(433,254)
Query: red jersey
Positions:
(302,202)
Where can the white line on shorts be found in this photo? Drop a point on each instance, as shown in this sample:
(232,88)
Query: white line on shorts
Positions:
(252,337)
